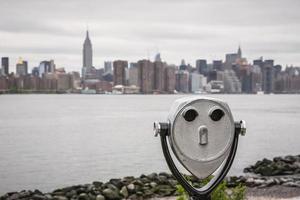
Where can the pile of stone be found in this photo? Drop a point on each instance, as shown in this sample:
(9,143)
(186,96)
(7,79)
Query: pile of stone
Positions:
(164,184)
(288,165)
(262,182)
(145,186)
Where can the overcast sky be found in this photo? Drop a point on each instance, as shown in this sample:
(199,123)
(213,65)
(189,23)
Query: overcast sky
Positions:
(121,29)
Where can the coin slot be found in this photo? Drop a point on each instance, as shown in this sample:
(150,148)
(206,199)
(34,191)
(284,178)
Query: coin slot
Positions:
(203,135)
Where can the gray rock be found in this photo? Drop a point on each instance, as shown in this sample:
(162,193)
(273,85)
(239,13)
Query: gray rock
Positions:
(37,192)
(131,188)
(173,182)
(146,188)
(148,193)
(71,193)
(165,190)
(127,180)
(92,196)
(287,165)
(89,187)
(24,194)
(152,176)
(117,182)
(83,196)
(112,187)
(133,197)
(138,188)
(289,159)
(124,192)
(258,182)
(143,176)
(14,196)
(111,194)
(153,184)
(100,197)
(139,193)
(97,184)
(145,180)
(137,182)
(60,198)
(291,184)
(285,180)
(81,190)
(162,180)
(166,174)
(48,196)
(38,197)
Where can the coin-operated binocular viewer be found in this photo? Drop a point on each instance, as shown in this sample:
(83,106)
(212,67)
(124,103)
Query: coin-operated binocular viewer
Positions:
(203,137)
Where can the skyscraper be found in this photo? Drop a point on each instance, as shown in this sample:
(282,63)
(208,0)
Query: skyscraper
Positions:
(182,81)
(218,65)
(21,67)
(201,66)
(170,80)
(231,59)
(159,76)
(120,68)
(157,57)
(46,67)
(146,76)
(5,65)
(239,52)
(268,76)
(107,67)
(87,55)
(183,66)
(133,74)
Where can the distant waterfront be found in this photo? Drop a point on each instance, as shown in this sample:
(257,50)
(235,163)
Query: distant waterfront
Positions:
(50,141)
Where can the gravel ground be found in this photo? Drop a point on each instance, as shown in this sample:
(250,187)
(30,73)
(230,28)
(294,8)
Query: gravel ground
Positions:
(248,198)
(270,193)
(272,198)
(274,192)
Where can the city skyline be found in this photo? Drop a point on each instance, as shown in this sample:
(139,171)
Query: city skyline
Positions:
(235,74)
(178,30)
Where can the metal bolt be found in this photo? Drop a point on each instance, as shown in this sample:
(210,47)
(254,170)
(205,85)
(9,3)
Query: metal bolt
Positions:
(240,127)
(156,128)
(160,128)
(243,127)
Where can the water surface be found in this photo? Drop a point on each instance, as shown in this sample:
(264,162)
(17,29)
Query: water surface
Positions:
(51,141)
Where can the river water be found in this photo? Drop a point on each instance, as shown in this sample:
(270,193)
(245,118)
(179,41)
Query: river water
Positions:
(51,141)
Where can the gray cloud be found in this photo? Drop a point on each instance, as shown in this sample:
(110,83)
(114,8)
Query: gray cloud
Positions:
(134,29)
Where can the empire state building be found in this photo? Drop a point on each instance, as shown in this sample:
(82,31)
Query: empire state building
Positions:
(87,55)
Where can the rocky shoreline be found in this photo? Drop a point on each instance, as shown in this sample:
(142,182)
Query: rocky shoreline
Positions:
(287,165)
(157,185)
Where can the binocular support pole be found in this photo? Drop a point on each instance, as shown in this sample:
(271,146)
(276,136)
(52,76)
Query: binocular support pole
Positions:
(195,194)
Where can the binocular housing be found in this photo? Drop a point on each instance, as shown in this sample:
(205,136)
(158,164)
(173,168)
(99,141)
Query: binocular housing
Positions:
(203,137)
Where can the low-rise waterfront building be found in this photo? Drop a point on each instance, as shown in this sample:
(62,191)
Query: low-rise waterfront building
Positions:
(121,89)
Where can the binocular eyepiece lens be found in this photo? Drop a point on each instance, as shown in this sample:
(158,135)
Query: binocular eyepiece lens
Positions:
(217,114)
(190,114)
